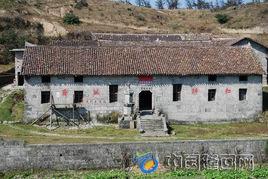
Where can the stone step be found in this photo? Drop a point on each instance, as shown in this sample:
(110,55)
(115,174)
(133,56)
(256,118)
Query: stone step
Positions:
(155,134)
(152,126)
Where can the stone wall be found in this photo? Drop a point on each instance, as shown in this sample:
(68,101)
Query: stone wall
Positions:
(19,156)
(193,107)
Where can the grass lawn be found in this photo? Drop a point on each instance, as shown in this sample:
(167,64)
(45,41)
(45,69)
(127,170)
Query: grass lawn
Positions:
(36,135)
(260,172)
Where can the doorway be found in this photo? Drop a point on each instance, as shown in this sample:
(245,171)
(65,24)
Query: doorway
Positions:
(20,80)
(145,100)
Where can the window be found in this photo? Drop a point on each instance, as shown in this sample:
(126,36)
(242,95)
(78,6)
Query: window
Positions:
(113,90)
(211,94)
(242,94)
(78,96)
(212,78)
(45,79)
(45,97)
(177,92)
(243,78)
(78,79)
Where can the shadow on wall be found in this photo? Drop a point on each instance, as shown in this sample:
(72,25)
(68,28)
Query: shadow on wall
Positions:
(265,99)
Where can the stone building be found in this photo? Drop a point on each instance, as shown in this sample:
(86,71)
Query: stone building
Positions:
(187,84)
(185,78)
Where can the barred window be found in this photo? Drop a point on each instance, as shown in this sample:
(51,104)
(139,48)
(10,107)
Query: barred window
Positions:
(211,94)
(78,96)
(45,97)
(113,92)
(242,94)
(177,92)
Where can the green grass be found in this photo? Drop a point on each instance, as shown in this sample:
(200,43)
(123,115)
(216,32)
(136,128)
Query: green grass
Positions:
(35,135)
(120,174)
(12,107)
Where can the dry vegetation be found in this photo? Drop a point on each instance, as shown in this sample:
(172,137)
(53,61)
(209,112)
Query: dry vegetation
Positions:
(108,16)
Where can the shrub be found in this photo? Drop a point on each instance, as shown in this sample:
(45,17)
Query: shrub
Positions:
(141,17)
(79,4)
(111,118)
(222,18)
(71,19)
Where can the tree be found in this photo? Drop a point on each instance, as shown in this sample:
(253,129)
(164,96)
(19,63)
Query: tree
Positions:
(139,2)
(202,4)
(160,4)
(144,3)
(233,3)
(172,4)
(190,4)
(217,5)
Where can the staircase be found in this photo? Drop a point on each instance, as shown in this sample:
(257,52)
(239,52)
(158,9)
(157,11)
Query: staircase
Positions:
(151,124)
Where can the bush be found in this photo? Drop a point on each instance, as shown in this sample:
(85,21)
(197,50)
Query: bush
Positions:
(71,19)
(222,18)
(141,17)
(111,118)
(79,4)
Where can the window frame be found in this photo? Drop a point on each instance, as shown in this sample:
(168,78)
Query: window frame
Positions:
(46,79)
(45,97)
(113,93)
(78,97)
(177,88)
(79,79)
(244,98)
(210,92)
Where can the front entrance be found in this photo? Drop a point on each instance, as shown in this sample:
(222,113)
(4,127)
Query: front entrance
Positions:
(145,100)
(20,80)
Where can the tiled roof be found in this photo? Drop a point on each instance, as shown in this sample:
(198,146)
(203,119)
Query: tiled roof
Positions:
(150,37)
(75,43)
(52,60)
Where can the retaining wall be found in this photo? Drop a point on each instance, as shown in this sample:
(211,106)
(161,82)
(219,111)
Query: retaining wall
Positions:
(19,156)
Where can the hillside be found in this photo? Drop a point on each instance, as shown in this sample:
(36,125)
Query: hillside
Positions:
(109,16)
